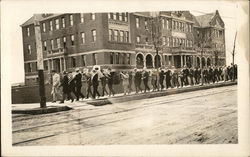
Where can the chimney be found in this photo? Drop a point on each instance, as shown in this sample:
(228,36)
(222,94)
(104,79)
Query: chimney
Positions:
(216,12)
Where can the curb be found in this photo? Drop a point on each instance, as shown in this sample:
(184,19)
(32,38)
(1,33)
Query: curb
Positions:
(35,111)
(119,99)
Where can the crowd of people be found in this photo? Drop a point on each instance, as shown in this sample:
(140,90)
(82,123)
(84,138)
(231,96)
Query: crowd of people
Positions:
(68,83)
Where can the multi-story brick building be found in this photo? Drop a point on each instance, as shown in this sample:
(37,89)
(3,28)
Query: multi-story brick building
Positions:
(123,41)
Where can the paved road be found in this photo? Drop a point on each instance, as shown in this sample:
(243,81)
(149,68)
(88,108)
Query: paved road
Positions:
(204,116)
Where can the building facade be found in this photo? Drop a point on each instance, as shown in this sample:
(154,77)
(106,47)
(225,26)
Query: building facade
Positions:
(124,41)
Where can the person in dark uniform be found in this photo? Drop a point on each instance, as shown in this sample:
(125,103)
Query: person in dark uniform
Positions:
(87,75)
(191,76)
(205,75)
(65,86)
(95,83)
(168,78)
(216,74)
(161,78)
(110,79)
(210,74)
(103,79)
(185,75)
(72,85)
(130,81)
(137,80)
(181,77)
(145,77)
(78,84)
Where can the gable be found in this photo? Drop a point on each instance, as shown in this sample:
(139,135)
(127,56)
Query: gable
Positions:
(217,22)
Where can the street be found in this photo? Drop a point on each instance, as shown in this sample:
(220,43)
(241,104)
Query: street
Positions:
(199,117)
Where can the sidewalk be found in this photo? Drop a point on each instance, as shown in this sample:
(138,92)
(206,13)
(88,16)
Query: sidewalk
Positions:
(34,108)
(133,96)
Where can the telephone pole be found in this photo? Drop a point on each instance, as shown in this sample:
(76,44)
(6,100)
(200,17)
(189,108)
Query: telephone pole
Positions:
(40,66)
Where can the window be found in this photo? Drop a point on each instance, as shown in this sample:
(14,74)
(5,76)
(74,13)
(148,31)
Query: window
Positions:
(73,62)
(93,35)
(125,17)
(126,36)
(121,36)
(173,25)
(146,40)
(29,49)
(28,31)
(138,39)
(115,35)
(64,42)
(128,58)
(168,41)
(164,40)
(44,45)
(120,16)
(82,18)
(52,44)
(146,24)
(63,22)
(109,16)
(117,59)
(82,37)
(173,42)
(71,20)
(163,23)
(50,25)
(111,58)
(83,60)
(94,59)
(29,65)
(44,27)
(58,42)
(167,23)
(72,38)
(92,16)
(45,63)
(137,22)
(57,23)
(123,59)
(110,35)
(114,16)
(191,43)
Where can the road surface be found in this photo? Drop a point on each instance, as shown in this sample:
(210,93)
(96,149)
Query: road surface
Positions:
(199,117)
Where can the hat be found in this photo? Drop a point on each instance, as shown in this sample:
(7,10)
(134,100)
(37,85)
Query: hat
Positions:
(64,72)
(53,70)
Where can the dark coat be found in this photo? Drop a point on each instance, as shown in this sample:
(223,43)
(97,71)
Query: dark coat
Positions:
(161,76)
(78,80)
(65,84)
(138,77)
(95,80)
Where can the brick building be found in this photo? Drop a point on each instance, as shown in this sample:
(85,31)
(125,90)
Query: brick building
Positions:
(123,41)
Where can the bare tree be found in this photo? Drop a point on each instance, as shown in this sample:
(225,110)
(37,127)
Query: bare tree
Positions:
(156,36)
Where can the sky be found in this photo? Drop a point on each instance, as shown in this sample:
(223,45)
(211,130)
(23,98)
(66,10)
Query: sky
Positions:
(14,13)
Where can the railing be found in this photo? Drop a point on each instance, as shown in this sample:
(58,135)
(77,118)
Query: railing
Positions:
(56,51)
(181,48)
(144,46)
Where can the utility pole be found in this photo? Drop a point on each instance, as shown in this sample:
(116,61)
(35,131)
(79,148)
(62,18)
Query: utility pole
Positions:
(233,54)
(40,66)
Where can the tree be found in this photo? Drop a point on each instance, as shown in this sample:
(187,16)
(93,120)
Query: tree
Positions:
(156,36)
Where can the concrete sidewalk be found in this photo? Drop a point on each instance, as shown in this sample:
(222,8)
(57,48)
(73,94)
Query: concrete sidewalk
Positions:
(125,98)
(34,108)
